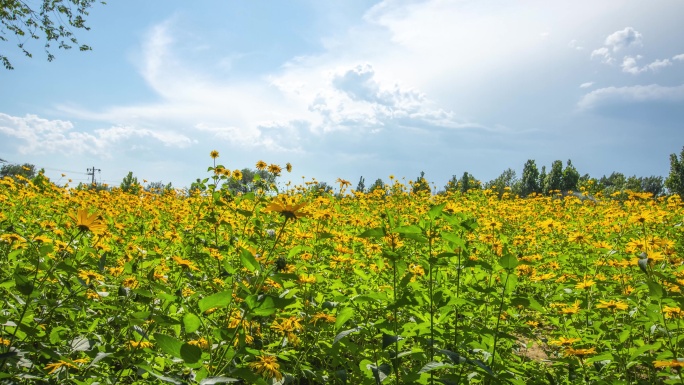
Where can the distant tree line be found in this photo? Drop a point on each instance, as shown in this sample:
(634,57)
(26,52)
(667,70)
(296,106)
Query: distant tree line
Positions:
(558,179)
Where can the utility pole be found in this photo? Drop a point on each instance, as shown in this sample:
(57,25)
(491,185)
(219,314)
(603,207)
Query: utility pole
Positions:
(91,172)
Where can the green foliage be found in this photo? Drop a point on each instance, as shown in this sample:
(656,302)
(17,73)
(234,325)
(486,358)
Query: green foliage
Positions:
(530,179)
(51,20)
(554,180)
(507,181)
(159,187)
(130,184)
(421,185)
(25,170)
(252,181)
(378,184)
(675,180)
(361,186)
(570,178)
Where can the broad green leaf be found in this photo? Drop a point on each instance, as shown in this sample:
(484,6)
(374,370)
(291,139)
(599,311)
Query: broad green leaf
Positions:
(343,315)
(191,322)
(436,210)
(388,340)
(372,233)
(430,366)
(345,333)
(508,261)
(655,290)
(216,300)
(169,345)
(248,261)
(218,380)
(411,229)
(23,284)
(190,353)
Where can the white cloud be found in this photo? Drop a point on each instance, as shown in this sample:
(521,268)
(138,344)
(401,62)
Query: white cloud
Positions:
(574,44)
(615,42)
(38,135)
(679,57)
(623,39)
(602,53)
(586,85)
(611,96)
(629,65)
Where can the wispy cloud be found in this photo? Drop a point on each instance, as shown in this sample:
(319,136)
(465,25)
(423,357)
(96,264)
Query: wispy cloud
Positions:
(616,96)
(43,136)
(615,42)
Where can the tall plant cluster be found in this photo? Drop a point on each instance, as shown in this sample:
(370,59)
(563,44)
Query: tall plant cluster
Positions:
(297,286)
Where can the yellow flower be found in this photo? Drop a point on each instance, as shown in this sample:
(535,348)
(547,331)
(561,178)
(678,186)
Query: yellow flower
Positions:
(86,222)
(184,263)
(130,282)
(287,209)
(214,154)
(139,344)
(323,316)
(288,167)
(267,366)
(612,305)
(237,175)
(587,283)
(678,363)
(4,341)
(261,165)
(201,343)
(88,275)
(274,169)
(562,341)
(55,366)
(304,279)
(579,352)
(672,312)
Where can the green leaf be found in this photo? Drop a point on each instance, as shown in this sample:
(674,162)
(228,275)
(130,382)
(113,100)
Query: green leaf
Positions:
(190,353)
(218,380)
(430,366)
(372,233)
(248,260)
(191,322)
(23,284)
(380,373)
(343,315)
(218,300)
(508,261)
(411,229)
(388,340)
(168,344)
(346,333)
(436,211)
(655,290)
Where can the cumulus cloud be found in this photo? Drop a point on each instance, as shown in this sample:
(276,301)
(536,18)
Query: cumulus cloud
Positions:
(39,135)
(623,39)
(678,57)
(586,85)
(629,65)
(612,96)
(617,41)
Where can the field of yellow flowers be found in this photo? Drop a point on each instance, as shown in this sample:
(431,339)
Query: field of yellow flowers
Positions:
(387,287)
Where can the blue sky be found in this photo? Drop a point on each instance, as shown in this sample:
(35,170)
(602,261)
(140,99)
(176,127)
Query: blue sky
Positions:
(343,89)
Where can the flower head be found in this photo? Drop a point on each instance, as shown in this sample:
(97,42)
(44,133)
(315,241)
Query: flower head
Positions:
(267,366)
(214,154)
(89,222)
(287,208)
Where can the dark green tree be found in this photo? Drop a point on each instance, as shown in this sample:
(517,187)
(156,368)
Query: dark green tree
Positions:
(542,179)
(251,181)
(452,184)
(159,188)
(570,178)
(361,186)
(50,20)
(530,179)
(130,184)
(554,179)
(653,184)
(507,178)
(421,185)
(614,183)
(26,170)
(675,181)
(378,184)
